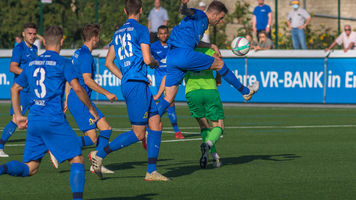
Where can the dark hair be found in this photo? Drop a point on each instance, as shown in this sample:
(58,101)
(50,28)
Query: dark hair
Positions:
(53,35)
(263,32)
(30,25)
(90,30)
(217,6)
(133,7)
(163,27)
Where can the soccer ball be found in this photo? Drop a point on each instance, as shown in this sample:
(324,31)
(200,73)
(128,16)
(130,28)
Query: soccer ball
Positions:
(240,46)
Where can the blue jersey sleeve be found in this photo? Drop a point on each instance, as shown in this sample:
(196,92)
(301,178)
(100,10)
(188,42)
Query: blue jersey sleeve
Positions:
(69,74)
(268,9)
(144,36)
(22,78)
(85,62)
(16,54)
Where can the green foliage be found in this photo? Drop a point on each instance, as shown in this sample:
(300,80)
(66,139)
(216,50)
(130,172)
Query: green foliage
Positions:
(72,16)
(243,16)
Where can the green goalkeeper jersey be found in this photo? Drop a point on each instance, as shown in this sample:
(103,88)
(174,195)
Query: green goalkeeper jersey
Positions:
(203,80)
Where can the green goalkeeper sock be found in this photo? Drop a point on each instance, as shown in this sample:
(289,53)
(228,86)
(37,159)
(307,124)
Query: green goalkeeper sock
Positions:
(214,134)
(204,135)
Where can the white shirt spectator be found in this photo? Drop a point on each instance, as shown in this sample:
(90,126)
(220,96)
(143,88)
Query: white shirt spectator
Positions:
(343,39)
(157,18)
(298,17)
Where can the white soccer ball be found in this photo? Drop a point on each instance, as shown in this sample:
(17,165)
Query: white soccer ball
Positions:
(240,46)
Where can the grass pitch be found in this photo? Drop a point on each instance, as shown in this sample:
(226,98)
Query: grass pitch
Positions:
(268,153)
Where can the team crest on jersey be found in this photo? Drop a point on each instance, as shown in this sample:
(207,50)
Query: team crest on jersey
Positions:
(91,121)
(146,115)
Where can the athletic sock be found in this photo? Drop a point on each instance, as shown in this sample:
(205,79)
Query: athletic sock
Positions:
(204,134)
(215,156)
(85,141)
(6,133)
(214,134)
(121,141)
(15,168)
(77,180)
(173,118)
(153,144)
(230,77)
(162,106)
(103,139)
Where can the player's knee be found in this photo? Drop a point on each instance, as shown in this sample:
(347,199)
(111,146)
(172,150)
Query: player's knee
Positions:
(77,159)
(140,135)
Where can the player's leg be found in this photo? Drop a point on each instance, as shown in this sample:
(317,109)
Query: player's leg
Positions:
(17,168)
(104,134)
(220,66)
(170,94)
(77,176)
(173,118)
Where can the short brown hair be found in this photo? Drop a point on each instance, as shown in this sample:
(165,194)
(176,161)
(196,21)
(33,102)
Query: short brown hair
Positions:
(53,35)
(29,25)
(218,7)
(133,7)
(90,30)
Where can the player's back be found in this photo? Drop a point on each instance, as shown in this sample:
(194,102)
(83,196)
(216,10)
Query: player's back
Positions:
(83,62)
(46,77)
(189,31)
(126,41)
(159,53)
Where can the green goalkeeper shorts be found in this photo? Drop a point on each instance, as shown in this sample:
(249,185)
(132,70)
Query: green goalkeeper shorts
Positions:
(205,103)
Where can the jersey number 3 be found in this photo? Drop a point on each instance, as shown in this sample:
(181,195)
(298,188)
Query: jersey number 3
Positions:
(41,73)
(125,49)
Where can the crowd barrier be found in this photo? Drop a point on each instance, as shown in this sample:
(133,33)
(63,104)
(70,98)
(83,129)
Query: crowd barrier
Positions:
(286,76)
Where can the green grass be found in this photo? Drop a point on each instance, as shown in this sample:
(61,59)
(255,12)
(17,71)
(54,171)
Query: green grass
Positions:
(268,153)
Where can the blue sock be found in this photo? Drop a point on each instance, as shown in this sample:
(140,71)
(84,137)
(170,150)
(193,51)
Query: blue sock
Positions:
(9,129)
(153,144)
(162,106)
(230,77)
(15,168)
(85,141)
(121,141)
(103,139)
(77,180)
(173,118)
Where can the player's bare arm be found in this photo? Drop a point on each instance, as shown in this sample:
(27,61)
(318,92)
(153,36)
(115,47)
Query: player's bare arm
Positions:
(97,88)
(147,56)
(14,68)
(185,10)
(83,96)
(109,62)
(20,120)
(66,92)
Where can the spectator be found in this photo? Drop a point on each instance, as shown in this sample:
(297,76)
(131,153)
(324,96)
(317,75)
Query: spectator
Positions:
(265,43)
(249,37)
(262,17)
(298,19)
(18,40)
(158,16)
(347,38)
(206,37)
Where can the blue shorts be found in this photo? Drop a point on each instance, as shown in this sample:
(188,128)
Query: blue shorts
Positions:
(25,102)
(58,137)
(80,112)
(181,60)
(139,101)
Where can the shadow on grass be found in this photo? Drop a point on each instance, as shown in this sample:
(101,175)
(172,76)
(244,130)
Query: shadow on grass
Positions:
(16,140)
(142,196)
(179,170)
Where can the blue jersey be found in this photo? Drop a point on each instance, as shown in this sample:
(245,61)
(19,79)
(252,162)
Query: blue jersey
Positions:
(261,13)
(22,55)
(189,31)
(127,40)
(83,62)
(46,77)
(159,52)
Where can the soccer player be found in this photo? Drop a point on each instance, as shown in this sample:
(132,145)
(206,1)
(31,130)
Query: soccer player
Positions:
(48,128)
(159,51)
(204,104)
(84,69)
(181,57)
(22,54)
(131,43)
